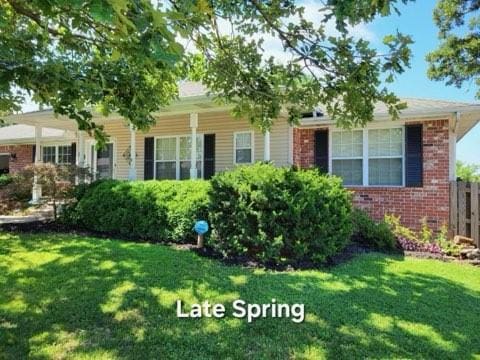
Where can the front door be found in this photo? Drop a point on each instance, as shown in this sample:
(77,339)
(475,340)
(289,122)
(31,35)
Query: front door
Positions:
(103,162)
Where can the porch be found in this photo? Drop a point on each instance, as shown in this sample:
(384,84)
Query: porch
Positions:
(182,145)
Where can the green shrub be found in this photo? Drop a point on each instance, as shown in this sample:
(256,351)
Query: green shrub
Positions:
(20,188)
(376,235)
(425,240)
(5,180)
(153,210)
(278,214)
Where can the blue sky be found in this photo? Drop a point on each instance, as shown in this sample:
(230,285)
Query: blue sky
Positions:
(416,20)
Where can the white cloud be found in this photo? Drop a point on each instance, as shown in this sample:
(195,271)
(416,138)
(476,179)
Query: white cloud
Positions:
(273,46)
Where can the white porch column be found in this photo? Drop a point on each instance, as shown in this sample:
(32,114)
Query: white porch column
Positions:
(452,146)
(193,158)
(266,146)
(81,149)
(80,161)
(37,188)
(132,170)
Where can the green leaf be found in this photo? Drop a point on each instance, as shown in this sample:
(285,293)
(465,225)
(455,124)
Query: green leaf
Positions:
(101,11)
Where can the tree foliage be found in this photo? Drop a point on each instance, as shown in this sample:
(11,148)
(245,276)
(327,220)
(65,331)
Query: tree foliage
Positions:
(468,172)
(457,59)
(127,56)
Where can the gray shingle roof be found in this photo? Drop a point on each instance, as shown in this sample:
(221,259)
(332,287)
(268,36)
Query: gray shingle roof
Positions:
(417,105)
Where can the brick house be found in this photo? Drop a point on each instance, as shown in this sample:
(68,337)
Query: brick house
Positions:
(402,167)
(17,145)
(393,167)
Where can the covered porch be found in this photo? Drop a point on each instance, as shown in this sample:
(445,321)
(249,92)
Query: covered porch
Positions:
(190,141)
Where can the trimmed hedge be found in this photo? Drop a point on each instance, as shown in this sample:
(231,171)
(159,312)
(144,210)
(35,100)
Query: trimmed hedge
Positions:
(272,215)
(277,215)
(153,210)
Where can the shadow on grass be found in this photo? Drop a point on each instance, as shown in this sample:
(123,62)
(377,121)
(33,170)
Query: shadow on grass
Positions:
(64,296)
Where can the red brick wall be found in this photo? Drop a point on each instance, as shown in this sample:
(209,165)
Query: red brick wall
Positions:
(411,204)
(24,156)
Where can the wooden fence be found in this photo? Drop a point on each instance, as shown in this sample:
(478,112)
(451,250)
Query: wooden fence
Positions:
(464,209)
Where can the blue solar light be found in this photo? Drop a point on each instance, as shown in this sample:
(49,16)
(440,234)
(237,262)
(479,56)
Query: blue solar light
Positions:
(201,227)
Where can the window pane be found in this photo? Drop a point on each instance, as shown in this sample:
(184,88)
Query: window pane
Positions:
(349,170)
(385,142)
(243,140)
(185,170)
(166,170)
(385,171)
(186,145)
(166,148)
(65,155)
(48,154)
(347,143)
(243,156)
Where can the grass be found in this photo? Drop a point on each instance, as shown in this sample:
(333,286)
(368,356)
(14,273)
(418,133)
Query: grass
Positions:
(65,296)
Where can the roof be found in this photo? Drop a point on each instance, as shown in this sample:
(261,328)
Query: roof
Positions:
(26,133)
(419,109)
(419,106)
(191,88)
(193,98)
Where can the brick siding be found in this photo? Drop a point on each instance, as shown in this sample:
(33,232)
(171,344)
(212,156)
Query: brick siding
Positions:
(411,204)
(24,155)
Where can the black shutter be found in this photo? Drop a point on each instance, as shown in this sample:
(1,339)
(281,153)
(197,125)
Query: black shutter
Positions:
(34,151)
(208,156)
(74,153)
(148,159)
(413,156)
(321,150)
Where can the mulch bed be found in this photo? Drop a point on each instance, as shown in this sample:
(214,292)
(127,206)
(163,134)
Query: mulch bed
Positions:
(346,255)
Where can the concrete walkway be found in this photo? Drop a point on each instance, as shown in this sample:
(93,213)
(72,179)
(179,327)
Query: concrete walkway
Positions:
(41,214)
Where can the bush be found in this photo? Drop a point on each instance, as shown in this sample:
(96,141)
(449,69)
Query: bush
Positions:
(5,180)
(57,182)
(20,188)
(424,240)
(367,232)
(278,214)
(150,210)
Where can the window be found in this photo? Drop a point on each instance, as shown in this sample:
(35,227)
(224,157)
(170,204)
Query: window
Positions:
(368,157)
(173,155)
(166,157)
(243,147)
(57,154)
(185,156)
(49,154)
(347,156)
(385,157)
(65,155)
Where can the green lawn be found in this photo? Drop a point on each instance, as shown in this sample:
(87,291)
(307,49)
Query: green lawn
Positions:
(63,296)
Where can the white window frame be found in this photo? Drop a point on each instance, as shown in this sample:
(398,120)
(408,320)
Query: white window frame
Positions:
(331,158)
(56,146)
(365,156)
(177,154)
(252,147)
